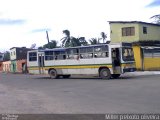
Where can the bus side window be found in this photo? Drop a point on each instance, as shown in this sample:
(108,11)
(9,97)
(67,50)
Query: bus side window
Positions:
(105,54)
(64,57)
(56,57)
(86,52)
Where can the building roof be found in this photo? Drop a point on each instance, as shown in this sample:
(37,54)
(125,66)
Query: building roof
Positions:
(139,22)
(21,48)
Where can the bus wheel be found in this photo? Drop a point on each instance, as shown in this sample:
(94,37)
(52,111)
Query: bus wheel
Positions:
(105,73)
(53,74)
(66,76)
(115,76)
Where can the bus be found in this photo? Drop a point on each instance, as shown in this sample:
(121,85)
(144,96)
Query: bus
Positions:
(103,60)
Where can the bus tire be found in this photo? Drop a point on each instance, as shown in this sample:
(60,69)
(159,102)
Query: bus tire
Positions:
(105,73)
(53,74)
(66,76)
(115,76)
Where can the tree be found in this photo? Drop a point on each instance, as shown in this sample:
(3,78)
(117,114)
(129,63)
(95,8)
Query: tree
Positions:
(156,19)
(81,41)
(94,41)
(66,41)
(104,36)
(69,41)
(50,45)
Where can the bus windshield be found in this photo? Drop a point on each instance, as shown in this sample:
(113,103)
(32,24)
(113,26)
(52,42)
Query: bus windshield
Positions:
(127,54)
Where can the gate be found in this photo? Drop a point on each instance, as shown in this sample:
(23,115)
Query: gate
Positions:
(151,58)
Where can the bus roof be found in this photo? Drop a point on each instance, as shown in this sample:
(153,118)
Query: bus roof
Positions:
(112,45)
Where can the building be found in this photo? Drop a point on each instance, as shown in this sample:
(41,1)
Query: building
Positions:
(145,38)
(133,31)
(7,66)
(1,56)
(18,56)
(1,61)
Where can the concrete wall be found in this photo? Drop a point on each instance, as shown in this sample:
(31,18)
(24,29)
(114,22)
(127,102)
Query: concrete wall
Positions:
(21,66)
(13,66)
(153,32)
(13,54)
(138,57)
(116,32)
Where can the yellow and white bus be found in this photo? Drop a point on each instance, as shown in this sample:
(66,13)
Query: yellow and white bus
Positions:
(103,60)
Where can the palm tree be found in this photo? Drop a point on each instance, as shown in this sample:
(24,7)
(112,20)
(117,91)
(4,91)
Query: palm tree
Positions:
(104,36)
(50,45)
(66,41)
(74,42)
(69,41)
(94,41)
(82,41)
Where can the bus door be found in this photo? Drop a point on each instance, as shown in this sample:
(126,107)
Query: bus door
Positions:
(41,62)
(116,61)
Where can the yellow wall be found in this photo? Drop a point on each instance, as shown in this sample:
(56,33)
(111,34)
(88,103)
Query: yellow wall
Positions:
(153,32)
(151,63)
(116,32)
(137,57)
(147,63)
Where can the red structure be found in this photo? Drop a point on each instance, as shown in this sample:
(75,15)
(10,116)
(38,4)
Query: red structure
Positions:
(22,66)
(1,66)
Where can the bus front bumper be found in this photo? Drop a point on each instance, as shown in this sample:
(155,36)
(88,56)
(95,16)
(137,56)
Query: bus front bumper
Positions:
(129,69)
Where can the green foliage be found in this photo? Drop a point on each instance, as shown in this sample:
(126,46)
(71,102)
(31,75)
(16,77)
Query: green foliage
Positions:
(66,41)
(82,41)
(50,45)
(69,41)
(94,41)
(104,36)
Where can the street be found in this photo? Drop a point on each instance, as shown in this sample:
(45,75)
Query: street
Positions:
(21,93)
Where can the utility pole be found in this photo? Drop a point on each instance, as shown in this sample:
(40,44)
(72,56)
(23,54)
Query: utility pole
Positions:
(47,36)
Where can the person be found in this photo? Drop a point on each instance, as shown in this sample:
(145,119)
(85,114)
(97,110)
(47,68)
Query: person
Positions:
(116,61)
(24,68)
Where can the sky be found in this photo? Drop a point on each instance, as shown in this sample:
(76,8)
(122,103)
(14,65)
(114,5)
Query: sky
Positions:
(24,22)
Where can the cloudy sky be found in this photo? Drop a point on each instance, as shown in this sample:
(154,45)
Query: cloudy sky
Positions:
(24,22)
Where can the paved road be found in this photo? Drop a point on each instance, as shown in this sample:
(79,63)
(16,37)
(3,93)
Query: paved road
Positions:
(39,94)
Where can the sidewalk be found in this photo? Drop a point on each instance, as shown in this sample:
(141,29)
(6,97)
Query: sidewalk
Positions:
(139,73)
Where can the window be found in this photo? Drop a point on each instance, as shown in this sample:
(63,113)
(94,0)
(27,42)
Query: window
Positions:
(55,55)
(144,30)
(128,31)
(33,56)
(60,55)
(49,55)
(101,51)
(86,52)
(127,54)
(72,53)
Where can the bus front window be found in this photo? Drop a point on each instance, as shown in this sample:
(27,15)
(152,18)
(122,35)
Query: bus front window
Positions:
(127,54)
